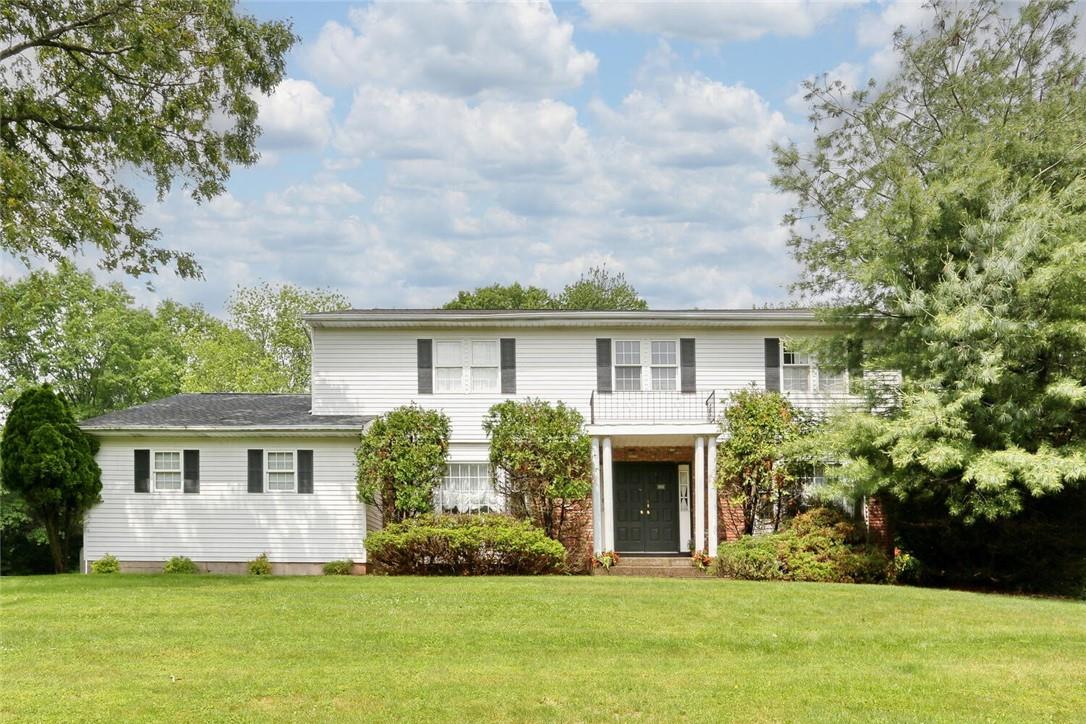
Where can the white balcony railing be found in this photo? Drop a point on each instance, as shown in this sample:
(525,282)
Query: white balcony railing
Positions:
(652,407)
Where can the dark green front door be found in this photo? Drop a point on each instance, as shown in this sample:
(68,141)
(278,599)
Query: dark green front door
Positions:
(646,507)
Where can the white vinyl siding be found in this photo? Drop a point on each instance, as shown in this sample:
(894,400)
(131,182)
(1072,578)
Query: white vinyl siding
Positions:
(467,488)
(225,522)
(166,471)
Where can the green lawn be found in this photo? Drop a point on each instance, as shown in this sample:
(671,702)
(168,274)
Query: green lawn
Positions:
(194,648)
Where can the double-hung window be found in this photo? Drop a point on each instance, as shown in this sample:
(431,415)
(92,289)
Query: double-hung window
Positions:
(665,364)
(449,367)
(467,488)
(484,366)
(834,382)
(627,366)
(795,371)
(280,472)
(167,471)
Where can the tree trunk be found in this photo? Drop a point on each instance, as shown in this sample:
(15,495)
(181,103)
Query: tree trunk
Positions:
(55,548)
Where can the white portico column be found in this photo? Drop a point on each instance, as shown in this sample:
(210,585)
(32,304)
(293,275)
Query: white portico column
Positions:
(710,472)
(597,499)
(699,494)
(608,497)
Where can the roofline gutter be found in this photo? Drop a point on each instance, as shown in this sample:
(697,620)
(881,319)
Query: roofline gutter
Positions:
(234,431)
(547,318)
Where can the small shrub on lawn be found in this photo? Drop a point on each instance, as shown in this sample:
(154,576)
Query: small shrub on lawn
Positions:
(820,545)
(467,545)
(106,564)
(260,566)
(180,564)
(338,568)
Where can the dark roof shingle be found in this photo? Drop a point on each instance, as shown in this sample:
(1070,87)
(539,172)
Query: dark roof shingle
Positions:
(225,410)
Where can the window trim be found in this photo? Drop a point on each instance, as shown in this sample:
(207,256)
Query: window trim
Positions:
(674,367)
(497,367)
(293,471)
(810,365)
(180,469)
(439,495)
(640,366)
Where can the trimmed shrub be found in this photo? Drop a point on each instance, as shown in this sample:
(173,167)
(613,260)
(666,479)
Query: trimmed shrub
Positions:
(180,564)
(338,568)
(106,564)
(820,545)
(467,545)
(260,566)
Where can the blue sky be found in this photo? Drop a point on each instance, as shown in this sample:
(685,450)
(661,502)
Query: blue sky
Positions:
(418,149)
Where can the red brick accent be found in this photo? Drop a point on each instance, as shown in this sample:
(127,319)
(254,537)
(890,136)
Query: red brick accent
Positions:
(673,454)
(729,518)
(577,535)
(878,525)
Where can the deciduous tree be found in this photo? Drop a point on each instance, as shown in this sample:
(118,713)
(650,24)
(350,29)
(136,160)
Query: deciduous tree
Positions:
(92,88)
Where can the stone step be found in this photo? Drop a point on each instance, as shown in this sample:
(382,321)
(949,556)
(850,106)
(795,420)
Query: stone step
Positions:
(656,561)
(651,571)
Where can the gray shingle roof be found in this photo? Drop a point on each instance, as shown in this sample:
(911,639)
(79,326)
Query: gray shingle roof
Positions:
(224,410)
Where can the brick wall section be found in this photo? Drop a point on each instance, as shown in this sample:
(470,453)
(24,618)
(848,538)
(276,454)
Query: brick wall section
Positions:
(878,525)
(673,454)
(729,519)
(577,536)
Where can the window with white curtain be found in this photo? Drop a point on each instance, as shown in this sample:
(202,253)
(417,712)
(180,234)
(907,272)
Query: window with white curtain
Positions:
(167,470)
(665,365)
(627,366)
(448,367)
(834,382)
(795,371)
(467,488)
(484,366)
(812,478)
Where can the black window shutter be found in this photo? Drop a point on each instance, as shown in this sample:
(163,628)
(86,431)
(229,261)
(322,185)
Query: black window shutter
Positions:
(305,471)
(256,471)
(603,365)
(143,471)
(688,365)
(191,467)
(773,364)
(509,366)
(426,366)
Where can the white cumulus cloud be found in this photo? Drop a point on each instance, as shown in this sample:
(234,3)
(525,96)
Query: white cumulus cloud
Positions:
(295,116)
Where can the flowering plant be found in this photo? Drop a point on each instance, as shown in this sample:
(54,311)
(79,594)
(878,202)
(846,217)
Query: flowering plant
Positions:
(701,560)
(605,559)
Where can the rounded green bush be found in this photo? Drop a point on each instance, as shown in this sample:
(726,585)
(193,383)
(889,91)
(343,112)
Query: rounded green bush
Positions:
(471,545)
(180,564)
(106,564)
(820,545)
(260,566)
(338,568)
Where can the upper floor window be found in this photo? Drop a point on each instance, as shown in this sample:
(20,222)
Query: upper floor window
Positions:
(280,473)
(795,371)
(665,365)
(484,366)
(167,470)
(467,488)
(627,366)
(448,367)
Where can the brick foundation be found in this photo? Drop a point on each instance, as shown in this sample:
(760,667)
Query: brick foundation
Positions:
(878,525)
(240,567)
(577,536)
(729,518)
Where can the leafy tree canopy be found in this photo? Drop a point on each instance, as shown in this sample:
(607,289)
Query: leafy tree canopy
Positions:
(91,342)
(92,87)
(597,288)
(49,462)
(543,459)
(945,212)
(401,461)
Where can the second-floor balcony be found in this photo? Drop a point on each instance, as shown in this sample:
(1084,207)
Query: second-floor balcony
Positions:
(648,407)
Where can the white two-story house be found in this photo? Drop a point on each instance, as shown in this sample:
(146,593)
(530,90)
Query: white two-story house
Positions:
(222,478)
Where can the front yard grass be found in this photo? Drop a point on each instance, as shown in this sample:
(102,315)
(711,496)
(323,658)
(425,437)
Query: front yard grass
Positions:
(194,648)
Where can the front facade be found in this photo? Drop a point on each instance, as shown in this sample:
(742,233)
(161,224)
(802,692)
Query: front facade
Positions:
(650,385)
